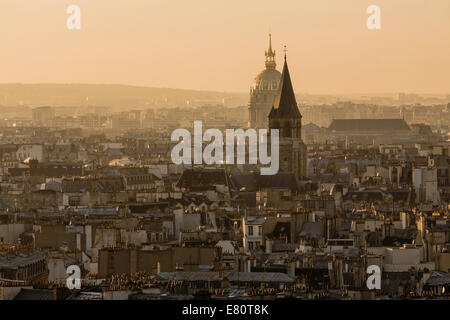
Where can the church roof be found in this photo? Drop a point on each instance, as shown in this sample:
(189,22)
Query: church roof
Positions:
(285,105)
(369,125)
(311,126)
(202,178)
(254,181)
(268,79)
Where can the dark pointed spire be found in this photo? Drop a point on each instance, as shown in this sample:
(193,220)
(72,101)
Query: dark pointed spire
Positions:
(285,105)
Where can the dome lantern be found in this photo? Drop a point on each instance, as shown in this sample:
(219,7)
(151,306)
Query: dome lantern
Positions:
(270,55)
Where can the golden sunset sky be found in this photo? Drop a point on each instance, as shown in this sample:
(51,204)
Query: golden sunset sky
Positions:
(219,45)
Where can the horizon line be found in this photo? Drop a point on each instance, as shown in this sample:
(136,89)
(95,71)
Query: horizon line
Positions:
(219,91)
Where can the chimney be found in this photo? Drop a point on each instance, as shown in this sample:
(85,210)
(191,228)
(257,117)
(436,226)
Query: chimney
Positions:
(291,270)
(269,243)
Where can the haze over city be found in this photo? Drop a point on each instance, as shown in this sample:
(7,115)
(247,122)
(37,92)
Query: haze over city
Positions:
(220,158)
(219,45)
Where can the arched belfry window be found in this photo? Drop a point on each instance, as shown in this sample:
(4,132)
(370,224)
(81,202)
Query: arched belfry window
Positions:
(286,130)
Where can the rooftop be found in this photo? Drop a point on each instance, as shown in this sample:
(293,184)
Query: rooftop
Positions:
(365,125)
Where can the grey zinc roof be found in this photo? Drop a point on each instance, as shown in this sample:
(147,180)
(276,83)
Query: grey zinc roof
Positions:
(231,276)
(281,247)
(203,177)
(35,294)
(438,278)
(369,125)
(255,181)
(311,229)
(311,126)
(282,180)
(260,277)
(190,276)
(20,260)
(249,181)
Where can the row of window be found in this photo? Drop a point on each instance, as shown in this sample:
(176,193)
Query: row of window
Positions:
(253,245)
(287,130)
(266,85)
(251,230)
(139,178)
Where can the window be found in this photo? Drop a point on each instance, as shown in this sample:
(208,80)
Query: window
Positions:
(250,245)
(250,230)
(285,195)
(274,85)
(260,230)
(286,130)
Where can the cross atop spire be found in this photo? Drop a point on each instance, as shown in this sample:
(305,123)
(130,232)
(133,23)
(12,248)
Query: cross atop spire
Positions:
(270,55)
(285,52)
(285,104)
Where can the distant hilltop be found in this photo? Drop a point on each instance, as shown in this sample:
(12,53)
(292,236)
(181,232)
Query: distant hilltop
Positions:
(116,96)
(123,97)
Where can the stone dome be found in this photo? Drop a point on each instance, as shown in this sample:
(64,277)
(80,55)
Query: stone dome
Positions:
(268,79)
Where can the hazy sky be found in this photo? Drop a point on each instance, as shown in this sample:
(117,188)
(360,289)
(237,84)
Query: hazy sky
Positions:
(219,44)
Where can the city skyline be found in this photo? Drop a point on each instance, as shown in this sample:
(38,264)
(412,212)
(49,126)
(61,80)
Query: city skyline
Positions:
(222,159)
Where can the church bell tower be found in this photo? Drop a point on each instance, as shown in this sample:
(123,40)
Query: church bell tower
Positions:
(285,116)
